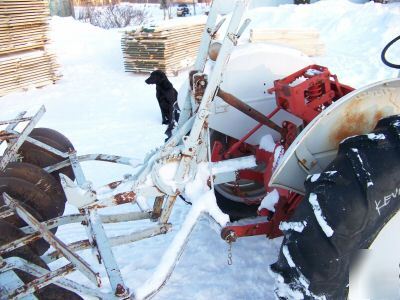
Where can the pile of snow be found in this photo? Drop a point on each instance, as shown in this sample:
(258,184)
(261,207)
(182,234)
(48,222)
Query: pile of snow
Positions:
(354,34)
(100,108)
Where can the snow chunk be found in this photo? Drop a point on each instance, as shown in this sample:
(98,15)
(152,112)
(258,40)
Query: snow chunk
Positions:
(295,226)
(314,177)
(313,72)
(142,203)
(167,173)
(134,162)
(318,214)
(198,191)
(374,136)
(289,259)
(297,81)
(330,173)
(369,181)
(269,201)
(231,165)
(267,143)
(284,290)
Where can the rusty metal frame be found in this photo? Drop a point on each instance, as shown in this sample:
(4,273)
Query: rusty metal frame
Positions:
(103,244)
(16,263)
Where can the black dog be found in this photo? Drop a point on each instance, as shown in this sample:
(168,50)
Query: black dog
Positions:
(167,98)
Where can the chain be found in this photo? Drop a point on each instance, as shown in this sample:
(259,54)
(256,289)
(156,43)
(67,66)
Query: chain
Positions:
(230,254)
(229,238)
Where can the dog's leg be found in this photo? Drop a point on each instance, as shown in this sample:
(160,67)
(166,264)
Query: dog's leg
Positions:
(177,111)
(172,120)
(165,115)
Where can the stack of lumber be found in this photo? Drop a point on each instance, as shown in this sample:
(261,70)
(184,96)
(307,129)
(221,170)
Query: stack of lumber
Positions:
(94,2)
(306,40)
(23,38)
(169,48)
(28,69)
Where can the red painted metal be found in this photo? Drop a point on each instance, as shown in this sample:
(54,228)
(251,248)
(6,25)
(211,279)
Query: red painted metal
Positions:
(236,145)
(307,92)
(304,94)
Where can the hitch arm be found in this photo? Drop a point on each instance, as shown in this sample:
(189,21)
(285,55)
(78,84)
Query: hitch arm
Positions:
(248,110)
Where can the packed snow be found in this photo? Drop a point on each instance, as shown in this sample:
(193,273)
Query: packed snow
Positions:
(313,199)
(374,136)
(231,165)
(314,177)
(102,109)
(270,200)
(295,226)
(366,173)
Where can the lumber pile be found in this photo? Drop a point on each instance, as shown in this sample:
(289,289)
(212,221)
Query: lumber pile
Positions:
(306,40)
(94,2)
(24,61)
(170,48)
(29,69)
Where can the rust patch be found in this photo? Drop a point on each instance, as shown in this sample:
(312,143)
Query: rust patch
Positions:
(114,184)
(354,122)
(122,198)
(97,206)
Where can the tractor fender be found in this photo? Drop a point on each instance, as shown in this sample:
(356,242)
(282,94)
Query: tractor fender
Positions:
(356,113)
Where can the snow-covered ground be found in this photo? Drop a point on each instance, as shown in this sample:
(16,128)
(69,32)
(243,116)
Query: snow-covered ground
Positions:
(102,109)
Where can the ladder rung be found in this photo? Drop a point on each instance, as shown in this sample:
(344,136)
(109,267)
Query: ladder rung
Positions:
(18,120)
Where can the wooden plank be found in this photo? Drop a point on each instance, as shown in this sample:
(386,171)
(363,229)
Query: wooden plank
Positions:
(306,40)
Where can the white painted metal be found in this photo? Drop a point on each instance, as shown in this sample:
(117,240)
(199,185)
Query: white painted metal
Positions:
(316,146)
(18,263)
(9,283)
(11,150)
(99,157)
(106,255)
(191,142)
(47,147)
(208,35)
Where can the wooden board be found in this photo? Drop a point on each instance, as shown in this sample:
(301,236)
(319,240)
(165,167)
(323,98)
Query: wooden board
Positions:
(306,40)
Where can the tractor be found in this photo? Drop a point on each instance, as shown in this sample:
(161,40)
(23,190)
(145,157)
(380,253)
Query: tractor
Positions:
(289,151)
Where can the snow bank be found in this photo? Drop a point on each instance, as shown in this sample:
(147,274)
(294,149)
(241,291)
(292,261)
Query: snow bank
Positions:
(354,34)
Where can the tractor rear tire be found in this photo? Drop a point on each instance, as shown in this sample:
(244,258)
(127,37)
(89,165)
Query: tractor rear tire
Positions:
(38,156)
(8,233)
(339,215)
(41,179)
